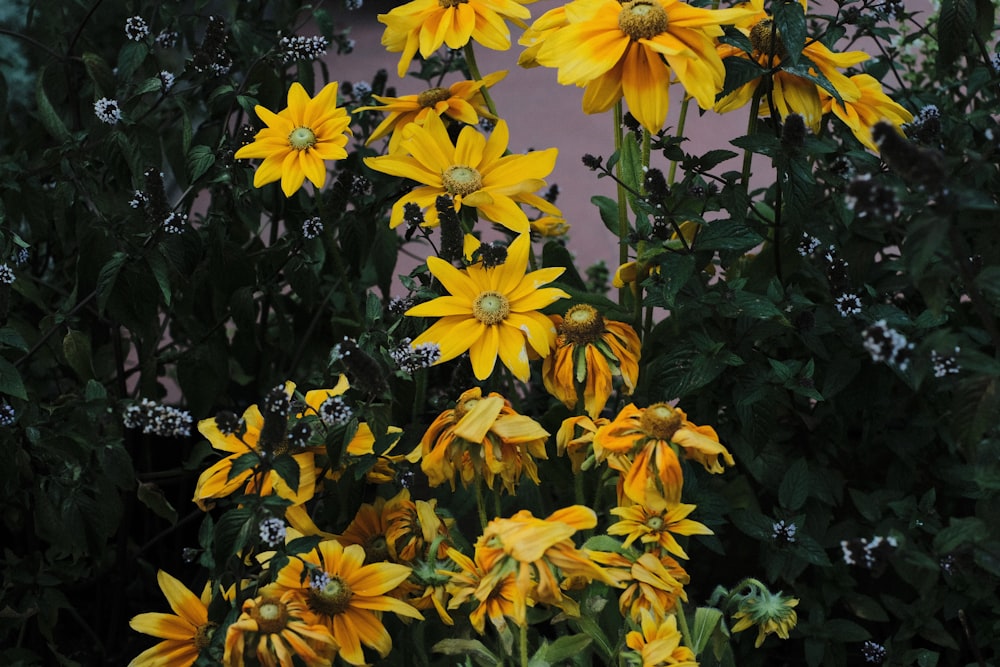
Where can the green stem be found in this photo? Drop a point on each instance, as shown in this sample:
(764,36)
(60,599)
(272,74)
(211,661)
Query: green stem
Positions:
(751,129)
(481,505)
(681,121)
(523,641)
(470,61)
(682,622)
(622,202)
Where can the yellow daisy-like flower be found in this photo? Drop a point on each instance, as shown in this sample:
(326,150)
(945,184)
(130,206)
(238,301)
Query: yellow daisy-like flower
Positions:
(659,643)
(462,101)
(481,438)
(473,171)
(425,25)
(492,312)
(862,114)
(218,481)
(278,624)
(476,580)
(791,93)
(772,613)
(657,526)
(640,443)
(369,529)
(185,632)
(298,139)
(346,596)
(413,527)
(590,351)
(653,583)
(575,439)
(632,48)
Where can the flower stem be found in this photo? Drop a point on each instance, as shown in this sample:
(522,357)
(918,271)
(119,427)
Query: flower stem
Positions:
(523,641)
(681,121)
(481,504)
(751,129)
(470,61)
(622,202)
(683,624)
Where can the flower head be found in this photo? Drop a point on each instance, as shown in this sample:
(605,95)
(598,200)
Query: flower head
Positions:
(281,630)
(772,613)
(862,114)
(477,580)
(575,439)
(658,642)
(590,351)
(492,312)
(428,24)
(653,582)
(347,596)
(473,171)
(108,110)
(632,49)
(481,438)
(461,101)
(657,526)
(185,632)
(298,139)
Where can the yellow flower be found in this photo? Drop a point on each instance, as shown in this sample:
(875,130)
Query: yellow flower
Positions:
(550,226)
(347,596)
(590,351)
(772,613)
(369,529)
(659,643)
(476,580)
(473,171)
(279,626)
(791,93)
(218,481)
(298,139)
(427,24)
(462,101)
(862,114)
(413,527)
(652,583)
(639,442)
(481,438)
(656,526)
(185,632)
(576,437)
(631,49)
(492,312)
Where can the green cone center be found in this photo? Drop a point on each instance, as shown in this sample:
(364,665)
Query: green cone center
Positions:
(642,19)
(491,308)
(462,180)
(332,599)
(302,138)
(271,616)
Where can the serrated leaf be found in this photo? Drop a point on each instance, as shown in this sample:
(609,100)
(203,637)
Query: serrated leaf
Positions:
(842,630)
(287,468)
(794,489)
(303,545)
(158,267)
(807,69)
(739,72)
(866,608)
(470,647)
(727,235)
(76,349)
(10,337)
(199,160)
(99,72)
(10,381)
(562,649)
(675,271)
(955,24)
(231,534)
(116,464)
(151,85)
(107,277)
(958,532)
(152,497)
(790,21)
(975,405)
(243,463)
(50,120)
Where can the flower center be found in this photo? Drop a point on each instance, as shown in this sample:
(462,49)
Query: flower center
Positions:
(766,40)
(376,549)
(463,408)
(447,4)
(491,308)
(461,180)
(432,96)
(582,325)
(660,421)
(203,636)
(302,138)
(271,616)
(332,598)
(642,19)
(654,523)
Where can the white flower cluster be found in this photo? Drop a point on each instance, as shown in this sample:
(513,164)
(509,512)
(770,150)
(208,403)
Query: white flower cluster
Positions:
(783,531)
(7,276)
(272,531)
(847,304)
(873,652)
(886,344)
(295,48)
(136,28)
(312,228)
(156,419)
(335,411)
(945,364)
(167,80)
(866,552)
(7,414)
(412,358)
(107,110)
(808,245)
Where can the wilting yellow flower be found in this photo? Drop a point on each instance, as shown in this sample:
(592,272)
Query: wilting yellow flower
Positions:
(575,438)
(476,580)
(590,351)
(462,101)
(492,312)
(298,139)
(413,526)
(544,554)
(481,438)
(535,35)
(281,631)
(427,24)
(369,530)
(659,643)
(347,596)
(631,49)
(653,583)
(550,226)
(646,438)
(772,613)
(185,632)
(218,481)
(474,171)
(657,526)
(791,93)
(862,114)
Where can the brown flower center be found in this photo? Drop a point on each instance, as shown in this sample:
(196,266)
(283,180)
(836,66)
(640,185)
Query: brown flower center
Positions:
(271,616)
(491,308)
(447,4)
(330,599)
(461,180)
(766,40)
(376,549)
(302,138)
(582,325)
(432,96)
(203,636)
(660,421)
(642,19)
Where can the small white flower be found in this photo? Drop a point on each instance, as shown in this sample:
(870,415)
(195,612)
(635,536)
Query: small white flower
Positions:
(107,110)
(136,28)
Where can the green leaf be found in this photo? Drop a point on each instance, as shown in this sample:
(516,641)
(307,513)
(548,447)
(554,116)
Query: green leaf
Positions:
(199,160)
(608,208)
(10,337)
(470,647)
(151,85)
(130,57)
(955,24)
(790,20)
(99,72)
(739,71)
(50,120)
(794,489)
(152,497)
(287,468)
(76,348)
(116,464)
(866,608)
(706,621)
(807,69)
(556,254)
(10,381)
(562,649)
(158,268)
(107,277)
(675,271)
(727,235)
(303,545)
(243,463)
(232,533)
(842,630)
(959,532)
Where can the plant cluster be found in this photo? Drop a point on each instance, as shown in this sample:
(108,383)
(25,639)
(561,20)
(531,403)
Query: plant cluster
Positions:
(217,375)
